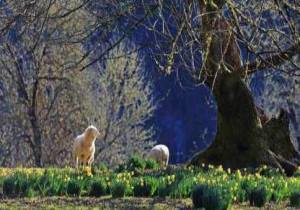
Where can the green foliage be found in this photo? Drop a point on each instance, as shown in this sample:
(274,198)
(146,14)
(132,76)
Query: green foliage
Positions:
(246,186)
(9,186)
(295,199)
(280,190)
(175,183)
(198,194)
(145,187)
(118,190)
(258,196)
(98,188)
(223,187)
(182,186)
(135,162)
(164,189)
(269,171)
(51,183)
(241,196)
(102,167)
(151,164)
(210,198)
(23,187)
(73,188)
(215,199)
(18,185)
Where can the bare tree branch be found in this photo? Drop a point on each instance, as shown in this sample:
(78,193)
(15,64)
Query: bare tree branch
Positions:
(271,61)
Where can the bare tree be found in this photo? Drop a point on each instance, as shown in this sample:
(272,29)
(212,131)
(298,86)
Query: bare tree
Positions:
(43,46)
(36,53)
(121,104)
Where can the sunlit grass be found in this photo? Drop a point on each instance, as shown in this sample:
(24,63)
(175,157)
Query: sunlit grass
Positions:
(173,183)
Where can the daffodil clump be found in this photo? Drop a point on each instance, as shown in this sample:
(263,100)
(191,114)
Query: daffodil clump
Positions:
(87,171)
(4,172)
(125,178)
(269,184)
(258,185)
(145,186)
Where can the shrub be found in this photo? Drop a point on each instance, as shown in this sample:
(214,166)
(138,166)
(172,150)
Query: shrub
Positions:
(258,197)
(9,186)
(151,164)
(73,188)
(135,163)
(215,199)
(98,188)
(295,199)
(145,187)
(198,194)
(210,198)
(118,190)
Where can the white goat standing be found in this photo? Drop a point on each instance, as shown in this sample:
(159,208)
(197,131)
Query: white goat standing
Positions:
(160,153)
(84,146)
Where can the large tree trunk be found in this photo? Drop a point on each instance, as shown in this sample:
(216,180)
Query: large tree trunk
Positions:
(237,125)
(241,140)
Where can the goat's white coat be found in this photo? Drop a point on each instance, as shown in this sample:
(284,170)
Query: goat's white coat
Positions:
(84,146)
(160,153)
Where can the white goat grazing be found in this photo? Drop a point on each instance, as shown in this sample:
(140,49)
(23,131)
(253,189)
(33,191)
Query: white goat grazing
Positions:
(84,146)
(160,153)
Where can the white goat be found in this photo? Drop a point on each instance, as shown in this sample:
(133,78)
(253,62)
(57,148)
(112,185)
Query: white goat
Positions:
(160,153)
(84,146)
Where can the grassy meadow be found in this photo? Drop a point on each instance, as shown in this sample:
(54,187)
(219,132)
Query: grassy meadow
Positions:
(141,184)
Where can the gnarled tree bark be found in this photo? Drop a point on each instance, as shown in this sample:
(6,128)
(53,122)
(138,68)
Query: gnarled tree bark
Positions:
(241,139)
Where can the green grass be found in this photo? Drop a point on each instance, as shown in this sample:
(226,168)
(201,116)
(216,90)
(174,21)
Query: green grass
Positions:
(172,183)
